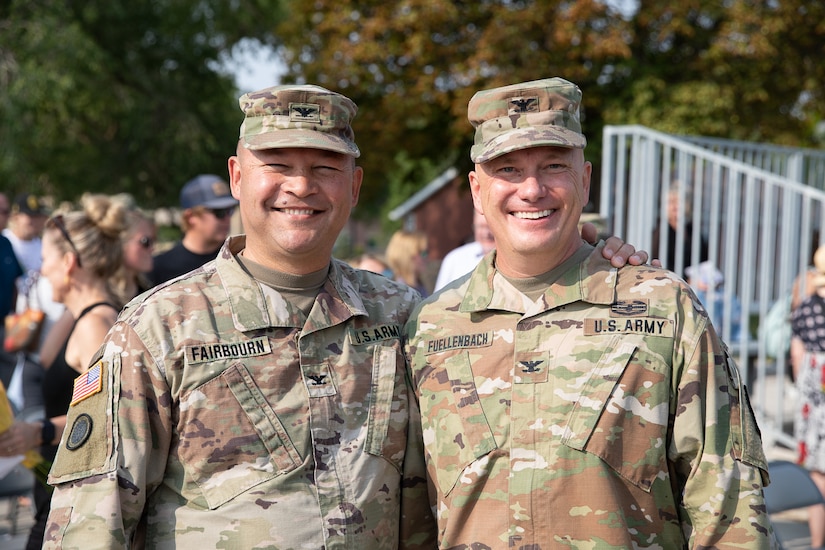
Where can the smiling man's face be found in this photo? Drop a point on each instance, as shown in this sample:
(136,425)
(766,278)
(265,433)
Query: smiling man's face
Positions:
(532,199)
(294,202)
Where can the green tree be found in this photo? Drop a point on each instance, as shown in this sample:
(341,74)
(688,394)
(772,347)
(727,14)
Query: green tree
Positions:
(114,95)
(745,69)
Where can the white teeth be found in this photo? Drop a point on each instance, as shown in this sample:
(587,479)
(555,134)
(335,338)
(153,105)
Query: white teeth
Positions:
(532,215)
(297,211)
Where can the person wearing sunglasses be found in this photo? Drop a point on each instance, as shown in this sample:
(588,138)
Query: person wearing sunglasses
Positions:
(207,205)
(138,248)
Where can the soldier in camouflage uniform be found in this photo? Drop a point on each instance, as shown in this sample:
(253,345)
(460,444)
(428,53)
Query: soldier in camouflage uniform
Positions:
(566,403)
(259,401)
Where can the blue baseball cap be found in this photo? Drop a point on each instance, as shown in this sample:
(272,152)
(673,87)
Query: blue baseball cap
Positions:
(29,204)
(207,190)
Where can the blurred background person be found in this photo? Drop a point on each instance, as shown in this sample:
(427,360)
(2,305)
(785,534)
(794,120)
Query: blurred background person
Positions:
(407,257)
(208,206)
(708,284)
(374,263)
(463,259)
(10,270)
(808,363)
(5,210)
(28,214)
(82,251)
(671,237)
(25,225)
(775,327)
(138,247)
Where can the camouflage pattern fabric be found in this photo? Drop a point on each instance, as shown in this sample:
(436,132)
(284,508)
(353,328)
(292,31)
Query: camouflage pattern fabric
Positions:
(226,421)
(298,116)
(529,114)
(607,414)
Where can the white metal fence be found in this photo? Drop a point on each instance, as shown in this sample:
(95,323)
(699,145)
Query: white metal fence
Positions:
(758,212)
(803,165)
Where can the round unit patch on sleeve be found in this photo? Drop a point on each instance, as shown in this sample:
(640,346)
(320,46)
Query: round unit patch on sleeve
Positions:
(80,432)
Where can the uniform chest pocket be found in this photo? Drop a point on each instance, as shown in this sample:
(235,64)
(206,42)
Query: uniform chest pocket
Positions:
(622,414)
(231,439)
(450,404)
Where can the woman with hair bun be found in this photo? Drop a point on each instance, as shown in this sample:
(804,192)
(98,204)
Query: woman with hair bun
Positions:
(82,252)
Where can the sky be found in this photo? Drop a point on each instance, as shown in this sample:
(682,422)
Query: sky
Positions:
(255,66)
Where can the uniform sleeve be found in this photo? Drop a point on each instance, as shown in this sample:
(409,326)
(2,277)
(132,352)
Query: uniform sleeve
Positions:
(113,452)
(716,449)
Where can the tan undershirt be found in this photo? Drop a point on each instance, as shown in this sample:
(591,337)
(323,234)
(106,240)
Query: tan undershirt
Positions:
(533,287)
(298,290)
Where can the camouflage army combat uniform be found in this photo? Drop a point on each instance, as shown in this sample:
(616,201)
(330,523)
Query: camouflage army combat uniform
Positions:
(239,426)
(598,417)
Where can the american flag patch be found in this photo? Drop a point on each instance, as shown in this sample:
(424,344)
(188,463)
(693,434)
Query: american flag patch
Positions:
(87,384)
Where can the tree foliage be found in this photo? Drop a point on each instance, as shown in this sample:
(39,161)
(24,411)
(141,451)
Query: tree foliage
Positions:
(741,69)
(119,96)
(412,65)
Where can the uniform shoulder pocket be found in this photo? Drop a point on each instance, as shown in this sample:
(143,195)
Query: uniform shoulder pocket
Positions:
(746,439)
(87,445)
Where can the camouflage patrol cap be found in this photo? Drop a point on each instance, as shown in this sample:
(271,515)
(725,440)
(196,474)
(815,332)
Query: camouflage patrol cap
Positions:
(529,114)
(298,116)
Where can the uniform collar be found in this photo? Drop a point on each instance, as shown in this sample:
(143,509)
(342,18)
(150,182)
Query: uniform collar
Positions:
(256,306)
(592,281)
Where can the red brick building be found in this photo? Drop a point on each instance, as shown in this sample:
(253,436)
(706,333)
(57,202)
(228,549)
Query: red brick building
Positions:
(443,209)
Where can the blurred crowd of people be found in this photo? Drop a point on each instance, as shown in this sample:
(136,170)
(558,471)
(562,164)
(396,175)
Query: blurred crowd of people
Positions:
(406,258)
(79,265)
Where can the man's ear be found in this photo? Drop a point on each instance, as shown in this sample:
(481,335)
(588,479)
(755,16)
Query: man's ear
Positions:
(587,173)
(357,179)
(475,190)
(234,167)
